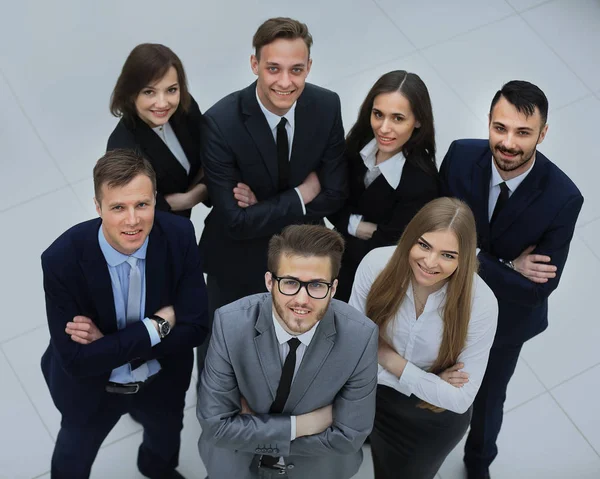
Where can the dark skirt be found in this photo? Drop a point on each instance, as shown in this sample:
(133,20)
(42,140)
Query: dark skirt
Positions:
(408,442)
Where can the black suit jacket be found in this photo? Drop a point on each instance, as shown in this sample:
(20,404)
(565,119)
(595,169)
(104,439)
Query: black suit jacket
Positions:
(171,177)
(77,282)
(542,211)
(238,146)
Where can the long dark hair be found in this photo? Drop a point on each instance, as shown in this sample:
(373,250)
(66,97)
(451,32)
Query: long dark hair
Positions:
(420,147)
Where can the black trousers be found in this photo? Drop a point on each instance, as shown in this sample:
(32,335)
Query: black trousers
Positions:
(221,292)
(488,408)
(158,408)
(408,442)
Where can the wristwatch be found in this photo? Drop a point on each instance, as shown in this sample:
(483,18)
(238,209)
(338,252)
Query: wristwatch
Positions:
(164,328)
(510,264)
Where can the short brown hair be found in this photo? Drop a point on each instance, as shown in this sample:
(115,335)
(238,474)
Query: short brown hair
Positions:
(280,27)
(306,240)
(118,167)
(147,63)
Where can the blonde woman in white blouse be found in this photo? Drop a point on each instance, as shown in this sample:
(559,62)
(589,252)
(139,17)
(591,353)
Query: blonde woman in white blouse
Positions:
(437,320)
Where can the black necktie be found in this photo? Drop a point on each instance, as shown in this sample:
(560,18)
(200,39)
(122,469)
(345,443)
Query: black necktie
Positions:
(283,156)
(287,374)
(502,199)
(283,391)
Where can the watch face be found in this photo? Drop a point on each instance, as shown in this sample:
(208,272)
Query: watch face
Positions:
(165,328)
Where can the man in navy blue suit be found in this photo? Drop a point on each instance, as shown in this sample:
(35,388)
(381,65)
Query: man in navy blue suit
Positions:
(126,304)
(526,209)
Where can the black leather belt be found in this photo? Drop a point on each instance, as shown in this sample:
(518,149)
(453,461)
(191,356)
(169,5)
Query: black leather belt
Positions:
(128,388)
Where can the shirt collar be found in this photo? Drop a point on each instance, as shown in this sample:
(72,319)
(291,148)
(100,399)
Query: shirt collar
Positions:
(273,119)
(391,169)
(283,336)
(163,130)
(512,184)
(114,257)
(434,300)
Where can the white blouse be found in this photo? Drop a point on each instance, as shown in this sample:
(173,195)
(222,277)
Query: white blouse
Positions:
(418,340)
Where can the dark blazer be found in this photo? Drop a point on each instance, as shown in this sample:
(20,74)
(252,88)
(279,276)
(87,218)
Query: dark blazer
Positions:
(171,177)
(391,209)
(238,146)
(77,282)
(542,211)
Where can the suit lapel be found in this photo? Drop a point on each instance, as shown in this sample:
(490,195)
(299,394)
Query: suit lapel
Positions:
(267,347)
(95,270)
(518,202)
(259,130)
(156,268)
(480,187)
(313,360)
(305,129)
(189,146)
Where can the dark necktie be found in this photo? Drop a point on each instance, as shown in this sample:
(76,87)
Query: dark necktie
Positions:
(283,390)
(283,156)
(501,202)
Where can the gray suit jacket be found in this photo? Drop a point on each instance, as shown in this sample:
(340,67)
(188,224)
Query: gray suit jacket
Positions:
(339,367)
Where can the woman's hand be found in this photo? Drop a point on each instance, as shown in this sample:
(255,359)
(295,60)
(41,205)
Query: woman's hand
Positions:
(189,199)
(454,376)
(365,230)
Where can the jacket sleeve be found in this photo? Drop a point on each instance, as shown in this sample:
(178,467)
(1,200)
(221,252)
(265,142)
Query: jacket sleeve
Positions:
(353,411)
(513,287)
(262,220)
(219,406)
(99,357)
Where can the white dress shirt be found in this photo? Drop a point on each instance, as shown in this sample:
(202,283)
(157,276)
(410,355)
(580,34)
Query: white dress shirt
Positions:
(284,348)
(391,169)
(495,181)
(418,340)
(273,120)
(166,134)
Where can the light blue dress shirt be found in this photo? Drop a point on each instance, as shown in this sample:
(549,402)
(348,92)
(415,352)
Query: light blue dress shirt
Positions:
(119,279)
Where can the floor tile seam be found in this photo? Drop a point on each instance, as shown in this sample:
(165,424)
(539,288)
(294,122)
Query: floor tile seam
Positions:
(533,7)
(562,60)
(42,475)
(587,96)
(527,401)
(580,373)
(391,20)
(584,241)
(27,395)
(35,130)
(33,198)
(583,224)
(139,430)
(574,424)
(469,31)
(12,338)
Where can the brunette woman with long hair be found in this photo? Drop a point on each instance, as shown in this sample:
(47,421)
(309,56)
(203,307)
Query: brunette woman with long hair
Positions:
(391,159)
(161,121)
(437,320)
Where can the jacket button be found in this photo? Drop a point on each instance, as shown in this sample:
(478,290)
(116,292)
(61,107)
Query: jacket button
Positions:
(290,466)
(269,450)
(275,450)
(257,450)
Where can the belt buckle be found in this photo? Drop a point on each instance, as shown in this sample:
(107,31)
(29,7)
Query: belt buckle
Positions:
(135,391)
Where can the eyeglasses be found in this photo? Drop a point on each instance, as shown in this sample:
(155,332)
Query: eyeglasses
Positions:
(291,286)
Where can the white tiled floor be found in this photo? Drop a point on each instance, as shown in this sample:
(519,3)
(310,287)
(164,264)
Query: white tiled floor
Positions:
(60,61)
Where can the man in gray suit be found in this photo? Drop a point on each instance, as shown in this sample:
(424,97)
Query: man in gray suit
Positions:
(288,387)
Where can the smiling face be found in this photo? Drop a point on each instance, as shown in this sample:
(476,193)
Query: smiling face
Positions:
(127,213)
(282,70)
(156,103)
(393,123)
(434,258)
(514,138)
(297,314)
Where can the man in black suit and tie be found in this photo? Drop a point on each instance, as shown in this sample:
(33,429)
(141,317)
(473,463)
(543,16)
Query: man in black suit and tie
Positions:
(526,209)
(272,155)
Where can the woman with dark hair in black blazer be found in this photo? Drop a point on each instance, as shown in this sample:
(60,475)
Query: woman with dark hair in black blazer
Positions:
(391,158)
(160,120)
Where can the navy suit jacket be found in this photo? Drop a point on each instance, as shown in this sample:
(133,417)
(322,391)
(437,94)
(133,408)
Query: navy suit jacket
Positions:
(542,211)
(238,146)
(77,282)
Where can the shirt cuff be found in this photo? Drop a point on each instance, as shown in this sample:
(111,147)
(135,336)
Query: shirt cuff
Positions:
(293,423)
(154,336)
(477,250)
(410,377)
(301,201)
(353,223)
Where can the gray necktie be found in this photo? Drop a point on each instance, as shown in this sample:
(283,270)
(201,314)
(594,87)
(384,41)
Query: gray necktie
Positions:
(134,297)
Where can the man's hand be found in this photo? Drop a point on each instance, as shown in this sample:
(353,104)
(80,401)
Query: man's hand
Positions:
(83,330)
(314,422)
(454,376)
(245,408)
(244,195)
(168,314)
(310,188)
(365,230)
(531,266)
